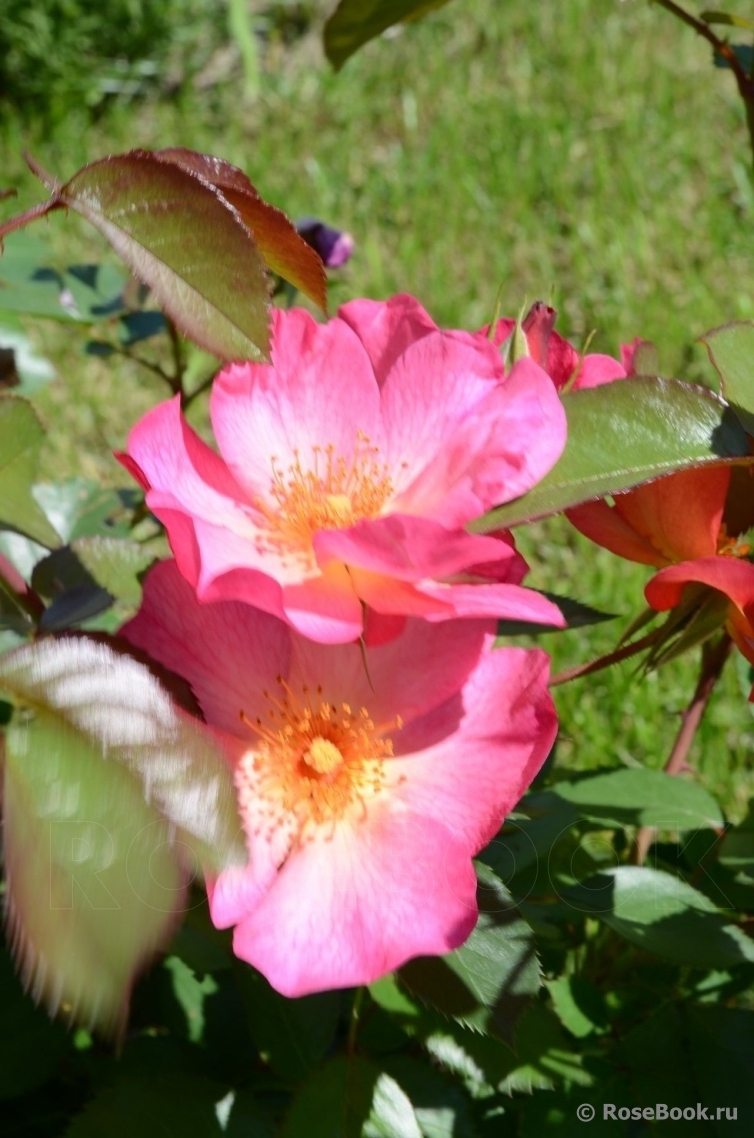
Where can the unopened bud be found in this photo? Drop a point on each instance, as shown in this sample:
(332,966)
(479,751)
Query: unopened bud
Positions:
(334,246)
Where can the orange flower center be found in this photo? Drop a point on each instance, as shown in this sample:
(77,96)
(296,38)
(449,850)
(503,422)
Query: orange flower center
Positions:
(314,763)
(334,494)
(730,546)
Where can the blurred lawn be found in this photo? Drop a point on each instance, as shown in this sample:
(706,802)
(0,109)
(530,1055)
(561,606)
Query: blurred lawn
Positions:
(585,151)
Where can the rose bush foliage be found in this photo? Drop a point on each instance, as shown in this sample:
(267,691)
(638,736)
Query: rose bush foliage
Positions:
(309,706)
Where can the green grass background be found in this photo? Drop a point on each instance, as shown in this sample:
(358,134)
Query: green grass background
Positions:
(583,151)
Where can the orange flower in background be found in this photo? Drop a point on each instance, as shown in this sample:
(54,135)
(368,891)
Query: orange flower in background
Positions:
(691,526)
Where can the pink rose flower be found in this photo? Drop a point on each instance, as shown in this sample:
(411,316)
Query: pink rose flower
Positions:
(348,470)
(364,792)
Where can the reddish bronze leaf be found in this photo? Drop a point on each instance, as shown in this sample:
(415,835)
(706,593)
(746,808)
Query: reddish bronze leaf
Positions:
(284,250)
(180,236)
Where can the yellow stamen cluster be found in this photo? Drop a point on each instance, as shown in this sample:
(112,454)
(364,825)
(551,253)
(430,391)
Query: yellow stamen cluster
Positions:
(314,763)
(334,494)
(730,546)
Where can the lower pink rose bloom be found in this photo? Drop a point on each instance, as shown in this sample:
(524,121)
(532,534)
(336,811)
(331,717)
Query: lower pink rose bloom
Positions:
(365,785)
(349,469)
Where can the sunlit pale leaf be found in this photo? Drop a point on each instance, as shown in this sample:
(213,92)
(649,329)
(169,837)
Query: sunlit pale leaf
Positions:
(110,797)
(21,436)
(623,434)
(93,883)
(355,22)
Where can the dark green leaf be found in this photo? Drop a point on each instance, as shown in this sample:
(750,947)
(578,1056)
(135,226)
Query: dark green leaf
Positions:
(74,595)
(643,797)
(156,1105)
(721,1043)
(731,349)
(180,236)
(200,945)
(576,615)
(30,1044)
(294,1034)
(654,1063)
(21,436)
(488,982)
(442,1110)
(247,1119)
(663,915)
(58,572)
(101,775)
(737,848)
(96,290)
(74,607)
(98,348)
(623,434)
(579,1005)
(525,841)
(351,1098)
(355,22)
(138,326)
(743,52)
(727,18)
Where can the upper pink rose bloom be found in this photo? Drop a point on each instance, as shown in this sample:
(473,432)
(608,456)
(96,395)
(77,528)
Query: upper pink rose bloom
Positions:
(562,362)
(348,470)
(364,793)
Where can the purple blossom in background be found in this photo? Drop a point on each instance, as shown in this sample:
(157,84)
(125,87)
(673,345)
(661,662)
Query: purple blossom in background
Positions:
(333,245)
